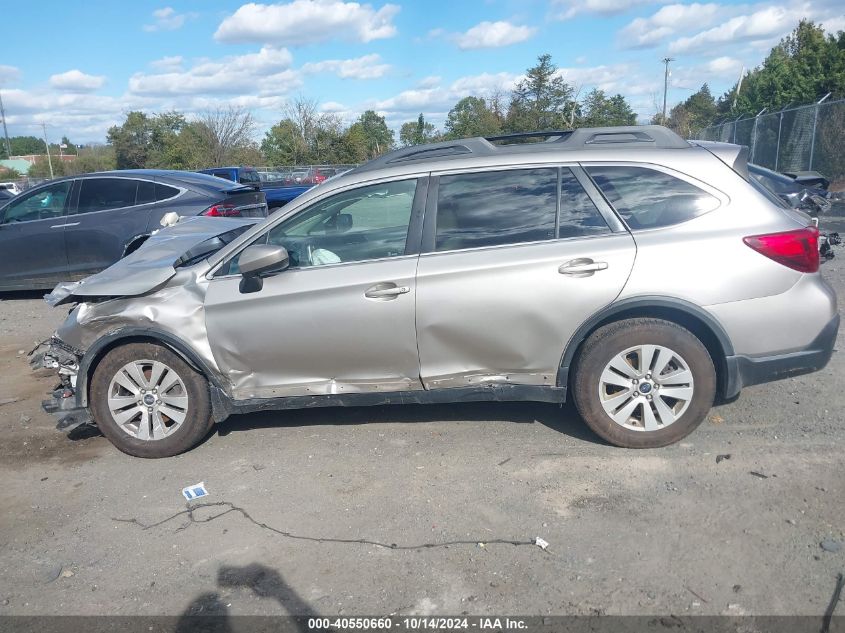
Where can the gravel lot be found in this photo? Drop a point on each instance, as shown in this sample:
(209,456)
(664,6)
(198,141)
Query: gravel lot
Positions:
(383,510)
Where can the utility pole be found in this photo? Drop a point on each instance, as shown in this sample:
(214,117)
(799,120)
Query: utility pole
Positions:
(666,61)
(49,160)
(5,131)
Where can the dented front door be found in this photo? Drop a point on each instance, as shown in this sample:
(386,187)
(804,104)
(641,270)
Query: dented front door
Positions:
(341,318)
(316,331)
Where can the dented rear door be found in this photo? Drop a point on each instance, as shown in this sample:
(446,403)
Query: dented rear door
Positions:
(511,273)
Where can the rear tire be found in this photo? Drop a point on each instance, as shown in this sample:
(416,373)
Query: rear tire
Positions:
(643,383)
(149,402)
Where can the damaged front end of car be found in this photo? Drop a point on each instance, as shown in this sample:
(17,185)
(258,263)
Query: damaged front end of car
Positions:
(63,404)
(153,293)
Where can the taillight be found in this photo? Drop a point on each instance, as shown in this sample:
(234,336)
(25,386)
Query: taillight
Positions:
(222,210)
(798,250)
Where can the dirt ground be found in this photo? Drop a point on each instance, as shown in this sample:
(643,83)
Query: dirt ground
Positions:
(424,509)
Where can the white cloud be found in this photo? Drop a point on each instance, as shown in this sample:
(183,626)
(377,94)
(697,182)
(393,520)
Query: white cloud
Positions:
(265,72)
(366,67)
(834,24)
(166,19)
(332,107)
(429,82)
(172,63)
(484,84)
(494,35)
(77,81)
(722,66)
(306,22)
(83,117)
(613,78)
(567,9)
(444,97)
(724,69)
(762,24)
(666,22)
(8,74)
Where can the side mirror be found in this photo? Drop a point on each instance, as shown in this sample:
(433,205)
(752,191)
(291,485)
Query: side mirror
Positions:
(259,260)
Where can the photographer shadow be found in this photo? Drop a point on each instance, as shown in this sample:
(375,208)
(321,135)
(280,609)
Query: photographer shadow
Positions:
(208,612)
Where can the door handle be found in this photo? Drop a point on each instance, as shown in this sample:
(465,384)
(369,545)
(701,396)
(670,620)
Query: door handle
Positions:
(386,291)
(61,226)
(581,267)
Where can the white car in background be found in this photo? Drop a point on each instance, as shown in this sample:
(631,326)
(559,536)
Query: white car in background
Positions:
(11,187)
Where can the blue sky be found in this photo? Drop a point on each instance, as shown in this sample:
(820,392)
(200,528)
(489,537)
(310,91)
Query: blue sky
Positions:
(79,70)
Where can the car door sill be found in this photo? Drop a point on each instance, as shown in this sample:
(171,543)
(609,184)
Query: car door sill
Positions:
(224,406)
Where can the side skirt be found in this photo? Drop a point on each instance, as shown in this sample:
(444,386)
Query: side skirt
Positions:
(223,406)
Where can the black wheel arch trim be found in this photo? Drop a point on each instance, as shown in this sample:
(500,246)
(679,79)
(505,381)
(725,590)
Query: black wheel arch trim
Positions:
(646,302)
(172,342)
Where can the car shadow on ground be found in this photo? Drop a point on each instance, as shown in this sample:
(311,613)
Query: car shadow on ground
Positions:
(22,295)
(561,418)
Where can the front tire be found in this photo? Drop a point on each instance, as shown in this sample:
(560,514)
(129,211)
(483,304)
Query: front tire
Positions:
(644,383)
(149,402)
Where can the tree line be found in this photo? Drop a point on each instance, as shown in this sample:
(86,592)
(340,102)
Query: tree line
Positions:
(802,68)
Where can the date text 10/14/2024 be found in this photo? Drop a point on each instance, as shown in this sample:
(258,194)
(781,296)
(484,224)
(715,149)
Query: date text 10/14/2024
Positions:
(420,623)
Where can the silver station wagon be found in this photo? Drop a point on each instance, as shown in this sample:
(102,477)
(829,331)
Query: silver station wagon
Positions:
(641,274)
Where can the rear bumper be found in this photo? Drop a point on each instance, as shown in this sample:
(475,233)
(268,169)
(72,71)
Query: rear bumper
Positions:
(744,371)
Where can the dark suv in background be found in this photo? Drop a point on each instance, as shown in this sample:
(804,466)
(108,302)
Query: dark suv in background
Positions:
(72,227)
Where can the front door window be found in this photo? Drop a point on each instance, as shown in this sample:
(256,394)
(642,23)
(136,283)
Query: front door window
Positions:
(45,203)
(361,224)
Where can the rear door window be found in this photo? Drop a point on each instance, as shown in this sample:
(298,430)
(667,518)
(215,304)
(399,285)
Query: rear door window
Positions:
(646,198)
(146,192)
(496,207)
(102,194)
(164,192)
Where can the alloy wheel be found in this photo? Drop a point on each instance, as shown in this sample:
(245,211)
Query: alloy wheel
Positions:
(148,399)
(646,387)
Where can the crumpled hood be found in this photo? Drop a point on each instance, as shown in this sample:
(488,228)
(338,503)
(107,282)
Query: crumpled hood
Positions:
(152,264)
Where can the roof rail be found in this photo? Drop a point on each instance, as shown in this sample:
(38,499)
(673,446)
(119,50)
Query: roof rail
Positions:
(549,134)
(643,136)
(596,138)
(425,151)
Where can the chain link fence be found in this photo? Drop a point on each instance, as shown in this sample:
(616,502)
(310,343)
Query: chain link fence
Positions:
(806,138)
(301,174)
